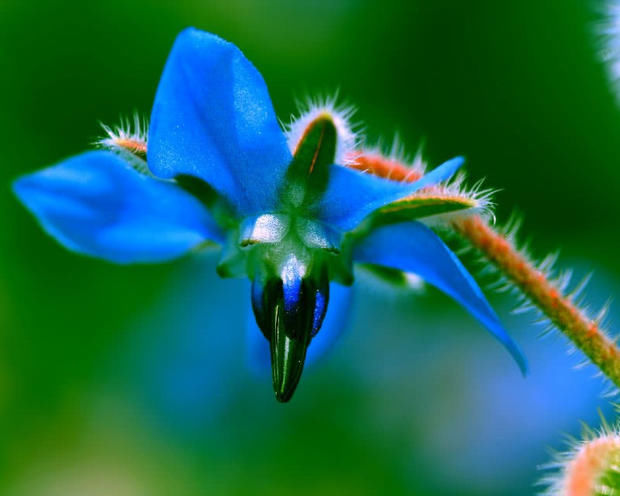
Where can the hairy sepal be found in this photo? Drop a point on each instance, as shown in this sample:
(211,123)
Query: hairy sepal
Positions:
(420,206)
(308,173)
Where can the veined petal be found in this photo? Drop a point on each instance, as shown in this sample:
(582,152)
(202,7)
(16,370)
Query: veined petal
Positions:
(351,195)
(213,118)
(413,247)
(333,324)
(96,204)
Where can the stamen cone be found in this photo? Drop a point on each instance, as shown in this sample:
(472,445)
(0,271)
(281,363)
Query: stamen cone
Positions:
(289,310)
(288,355)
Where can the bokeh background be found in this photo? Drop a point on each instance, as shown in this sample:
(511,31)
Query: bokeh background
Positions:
(132,380)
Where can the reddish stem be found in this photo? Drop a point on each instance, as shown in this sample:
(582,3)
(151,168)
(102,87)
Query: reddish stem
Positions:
(582,331)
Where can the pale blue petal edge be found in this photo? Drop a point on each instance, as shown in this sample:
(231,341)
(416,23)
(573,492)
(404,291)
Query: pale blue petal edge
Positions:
(212,118)
(351,195)
(413,247)
(97,205)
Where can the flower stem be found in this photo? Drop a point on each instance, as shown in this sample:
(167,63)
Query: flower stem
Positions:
(563,313)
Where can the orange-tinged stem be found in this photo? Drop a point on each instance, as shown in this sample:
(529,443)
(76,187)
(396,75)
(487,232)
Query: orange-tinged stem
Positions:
(568,318)
(380,166)
(134,146)
(563,313)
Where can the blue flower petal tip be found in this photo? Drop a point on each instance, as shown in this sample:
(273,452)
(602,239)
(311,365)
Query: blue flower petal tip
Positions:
(413,247)
(510,345)
(521,361)
(96,204)
(456,163)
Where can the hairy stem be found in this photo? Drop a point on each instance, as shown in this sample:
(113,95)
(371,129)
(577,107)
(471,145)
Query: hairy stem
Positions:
(563,313)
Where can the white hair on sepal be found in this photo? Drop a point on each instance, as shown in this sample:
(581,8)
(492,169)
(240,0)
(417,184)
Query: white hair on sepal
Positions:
(396,153)
(481,198)
(349,135)
(128,140)
(586,460)
(608,32)
(418,163)
(129,132)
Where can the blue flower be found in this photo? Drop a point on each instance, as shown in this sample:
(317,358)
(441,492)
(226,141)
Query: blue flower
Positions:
(293,210)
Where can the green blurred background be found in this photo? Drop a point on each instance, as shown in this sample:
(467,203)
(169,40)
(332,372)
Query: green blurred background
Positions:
(128,381)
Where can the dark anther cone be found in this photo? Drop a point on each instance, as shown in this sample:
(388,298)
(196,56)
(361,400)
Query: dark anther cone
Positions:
(289,311)
(288,355)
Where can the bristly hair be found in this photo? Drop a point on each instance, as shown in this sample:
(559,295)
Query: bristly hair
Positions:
(481,198)
(547,292)
(585,464)
(547,267)
(349,137)
(128,139)
(393,163)
(393,155)
(129,136)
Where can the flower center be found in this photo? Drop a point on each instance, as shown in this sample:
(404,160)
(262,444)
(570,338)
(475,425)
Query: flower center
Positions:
(291,258)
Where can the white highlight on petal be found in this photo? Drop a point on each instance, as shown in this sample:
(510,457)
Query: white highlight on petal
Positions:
(348,138)
(414,281)
(266,228)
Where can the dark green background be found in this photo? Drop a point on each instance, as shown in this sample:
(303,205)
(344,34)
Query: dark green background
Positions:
(416,398)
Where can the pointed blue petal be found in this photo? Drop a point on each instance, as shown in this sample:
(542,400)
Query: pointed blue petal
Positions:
(213,118)
(335,321)
(351,195)
(96,204)
(413,247)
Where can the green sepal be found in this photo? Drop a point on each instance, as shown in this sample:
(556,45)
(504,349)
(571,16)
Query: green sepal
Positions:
(609,480)
(308,173)
(418,207)
(393,277)
(222,212)
(413,208)
(233,260)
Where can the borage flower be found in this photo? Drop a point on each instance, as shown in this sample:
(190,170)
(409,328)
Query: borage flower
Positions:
(293,210)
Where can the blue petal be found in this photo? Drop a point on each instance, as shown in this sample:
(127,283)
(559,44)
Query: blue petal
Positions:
(413,247)
(351,195)
(213,118)
(333,325)
(96,204)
